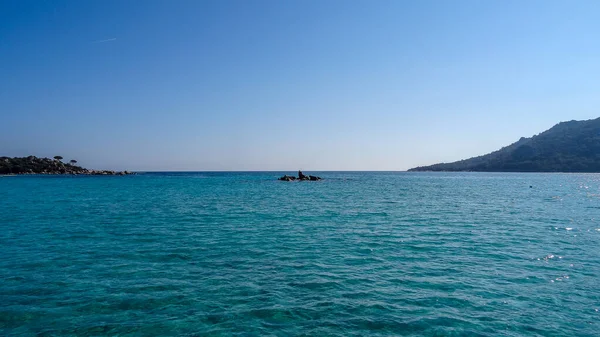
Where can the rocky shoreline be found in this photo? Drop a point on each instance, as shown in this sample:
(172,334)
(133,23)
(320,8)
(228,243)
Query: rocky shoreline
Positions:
(84,172)
(33,165)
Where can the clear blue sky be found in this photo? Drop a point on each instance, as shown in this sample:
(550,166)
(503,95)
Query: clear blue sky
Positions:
(282,85)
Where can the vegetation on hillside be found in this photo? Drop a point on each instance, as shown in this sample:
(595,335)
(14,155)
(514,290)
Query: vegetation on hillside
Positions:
(567,147)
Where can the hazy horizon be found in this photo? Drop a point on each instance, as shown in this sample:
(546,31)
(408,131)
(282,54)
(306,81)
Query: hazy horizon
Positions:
(282,86)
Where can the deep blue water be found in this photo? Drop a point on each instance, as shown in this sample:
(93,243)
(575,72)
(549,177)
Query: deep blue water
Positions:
(357,254)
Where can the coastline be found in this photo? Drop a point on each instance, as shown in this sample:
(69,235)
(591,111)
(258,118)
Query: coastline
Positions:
(90,173)
(33,165)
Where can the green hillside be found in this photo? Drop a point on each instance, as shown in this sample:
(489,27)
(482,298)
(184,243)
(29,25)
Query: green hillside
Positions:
(567,147)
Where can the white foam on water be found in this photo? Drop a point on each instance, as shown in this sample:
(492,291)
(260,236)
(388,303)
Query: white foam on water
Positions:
(548,257)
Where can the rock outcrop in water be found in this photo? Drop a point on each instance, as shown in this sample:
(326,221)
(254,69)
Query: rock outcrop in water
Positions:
(301,177)
(35,165)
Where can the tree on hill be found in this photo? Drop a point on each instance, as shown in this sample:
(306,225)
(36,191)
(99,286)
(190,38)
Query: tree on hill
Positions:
(59,158)
(73,161)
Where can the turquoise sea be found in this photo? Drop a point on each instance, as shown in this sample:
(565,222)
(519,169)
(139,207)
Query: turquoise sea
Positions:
(357,254)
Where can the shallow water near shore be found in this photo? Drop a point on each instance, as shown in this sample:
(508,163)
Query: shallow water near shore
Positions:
(359,253)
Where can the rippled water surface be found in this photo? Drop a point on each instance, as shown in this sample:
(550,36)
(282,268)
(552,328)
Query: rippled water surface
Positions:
(378,254)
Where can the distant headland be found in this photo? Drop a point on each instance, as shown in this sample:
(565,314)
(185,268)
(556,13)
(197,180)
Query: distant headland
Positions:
(35,165)
(566,147)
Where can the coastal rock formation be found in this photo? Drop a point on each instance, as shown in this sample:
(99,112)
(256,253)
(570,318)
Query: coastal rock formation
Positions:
(35,165)
(287,178)
(301,177)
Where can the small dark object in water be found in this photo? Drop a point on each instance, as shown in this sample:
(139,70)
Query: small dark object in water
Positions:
(530,186)
(301,176)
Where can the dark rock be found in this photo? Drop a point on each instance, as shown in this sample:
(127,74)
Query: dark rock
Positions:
(301,177)
(34,165)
